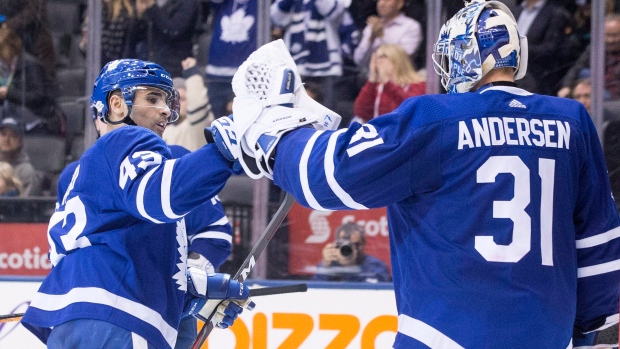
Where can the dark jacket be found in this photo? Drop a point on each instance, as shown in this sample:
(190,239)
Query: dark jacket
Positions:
(169,33)
(547,47)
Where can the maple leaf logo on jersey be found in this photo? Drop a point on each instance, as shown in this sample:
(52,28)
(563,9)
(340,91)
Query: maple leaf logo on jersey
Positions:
(236,27)
(181,275)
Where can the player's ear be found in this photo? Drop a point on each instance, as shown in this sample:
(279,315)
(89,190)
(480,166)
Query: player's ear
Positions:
(117,107)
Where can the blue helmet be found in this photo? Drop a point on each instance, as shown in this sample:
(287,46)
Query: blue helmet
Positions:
(480,37)
(126,75)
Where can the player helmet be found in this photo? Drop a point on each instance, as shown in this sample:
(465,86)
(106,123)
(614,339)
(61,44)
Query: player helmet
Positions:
(127,75)
(480,37)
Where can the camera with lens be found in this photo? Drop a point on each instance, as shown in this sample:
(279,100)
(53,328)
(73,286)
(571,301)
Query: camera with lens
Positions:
(345,248)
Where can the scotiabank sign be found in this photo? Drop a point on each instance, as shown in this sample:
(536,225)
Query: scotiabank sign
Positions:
(23,249)
(311,230)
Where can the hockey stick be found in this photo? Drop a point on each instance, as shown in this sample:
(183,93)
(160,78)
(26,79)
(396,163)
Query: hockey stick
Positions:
(250,260)
(11,317)
(255,292)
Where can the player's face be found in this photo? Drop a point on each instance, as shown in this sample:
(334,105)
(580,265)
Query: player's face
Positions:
(10,141)
(150,109)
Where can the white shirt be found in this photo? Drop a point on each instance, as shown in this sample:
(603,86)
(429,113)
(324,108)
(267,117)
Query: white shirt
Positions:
(527,16)
(401,30)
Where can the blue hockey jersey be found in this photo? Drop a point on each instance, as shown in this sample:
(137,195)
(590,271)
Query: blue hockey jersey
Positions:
(503,231)
(124,206)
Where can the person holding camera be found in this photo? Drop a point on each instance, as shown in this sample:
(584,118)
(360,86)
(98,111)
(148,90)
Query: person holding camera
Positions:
(345,260)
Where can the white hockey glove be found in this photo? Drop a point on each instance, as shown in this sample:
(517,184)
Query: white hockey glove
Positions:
(266,86)
(262,135)
(270,74)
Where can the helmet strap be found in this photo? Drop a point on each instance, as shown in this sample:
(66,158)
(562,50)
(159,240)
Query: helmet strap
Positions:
(126,120)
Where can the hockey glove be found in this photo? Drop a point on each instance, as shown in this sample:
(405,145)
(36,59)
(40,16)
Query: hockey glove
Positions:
(222,133)
(270,74)
(212,289)
(262,135)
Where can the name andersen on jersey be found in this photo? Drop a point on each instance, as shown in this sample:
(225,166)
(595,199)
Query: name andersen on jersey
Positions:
(498,131)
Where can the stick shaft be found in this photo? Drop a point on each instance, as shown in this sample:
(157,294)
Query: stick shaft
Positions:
(11,317)
(250,260)
(268,291)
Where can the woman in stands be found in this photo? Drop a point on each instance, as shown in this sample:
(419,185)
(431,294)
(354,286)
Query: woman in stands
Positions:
(10,185)
(391,80)
(23,92)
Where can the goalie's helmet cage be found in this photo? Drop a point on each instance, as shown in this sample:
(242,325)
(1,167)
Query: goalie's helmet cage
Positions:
(480,37)
(126,75)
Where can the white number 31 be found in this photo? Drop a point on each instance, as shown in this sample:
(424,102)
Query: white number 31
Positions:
(515,209)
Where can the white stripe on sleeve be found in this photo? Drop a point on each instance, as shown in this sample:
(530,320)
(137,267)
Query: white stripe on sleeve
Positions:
(166,182)
(140,196)
(598,269)
(212,235)
(329,173)
(425,333)
(599,239)
(303,173)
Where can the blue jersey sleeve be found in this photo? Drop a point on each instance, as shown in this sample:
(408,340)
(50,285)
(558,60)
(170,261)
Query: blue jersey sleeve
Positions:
(154,187)
(209,232)
(336,169)
(598,241)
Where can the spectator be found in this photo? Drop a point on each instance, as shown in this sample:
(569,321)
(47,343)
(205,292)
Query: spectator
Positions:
(233,39)
(117,30)
(391,26)
(11,151)
(195,113)
(391,80)
(10,185)
(612,62)
(582,93)
(167,32)
(345,260)
(23,91)
(314,42)
(545,25)
(28,18)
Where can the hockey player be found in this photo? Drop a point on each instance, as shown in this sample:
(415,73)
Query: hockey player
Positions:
(118,241)
(503,231)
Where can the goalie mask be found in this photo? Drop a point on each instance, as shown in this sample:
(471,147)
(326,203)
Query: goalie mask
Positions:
(127,76)
(480,37)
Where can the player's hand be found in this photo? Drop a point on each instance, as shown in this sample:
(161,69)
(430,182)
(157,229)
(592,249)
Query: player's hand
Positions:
(188,62)
(3,92)
(229,310)
(223,134)
(215,288)
(265,86)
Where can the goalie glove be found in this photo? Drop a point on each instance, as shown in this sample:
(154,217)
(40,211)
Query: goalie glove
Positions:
(270,74)
(261,137)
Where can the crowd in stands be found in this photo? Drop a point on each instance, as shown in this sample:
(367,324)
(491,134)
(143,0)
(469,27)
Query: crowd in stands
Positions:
(361,58)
